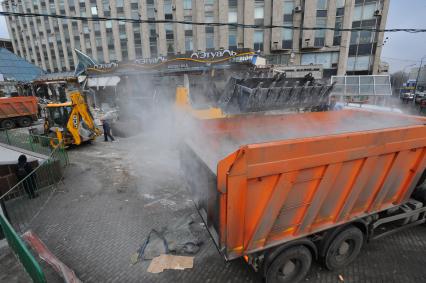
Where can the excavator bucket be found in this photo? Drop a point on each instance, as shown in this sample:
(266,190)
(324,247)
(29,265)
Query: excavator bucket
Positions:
(255,94)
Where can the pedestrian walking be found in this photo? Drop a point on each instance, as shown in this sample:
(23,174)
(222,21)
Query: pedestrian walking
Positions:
(107,130)
(24,169)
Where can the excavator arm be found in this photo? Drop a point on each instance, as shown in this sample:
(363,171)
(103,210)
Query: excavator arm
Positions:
(80,113)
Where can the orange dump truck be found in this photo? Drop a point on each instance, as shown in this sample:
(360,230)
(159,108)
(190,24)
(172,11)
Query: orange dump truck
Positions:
(21,110)
(284,190)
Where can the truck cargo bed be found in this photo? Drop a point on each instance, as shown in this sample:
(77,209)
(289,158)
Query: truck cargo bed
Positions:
(18,106)
(260,181)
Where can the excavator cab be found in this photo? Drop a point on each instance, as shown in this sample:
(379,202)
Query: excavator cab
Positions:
(71,122)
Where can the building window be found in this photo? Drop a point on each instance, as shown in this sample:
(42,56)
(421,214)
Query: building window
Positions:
(150,9)
(287,34)
(188,44)
(340,8)
(360,63)
(168,11)
(169,30)
(232,18)
(170,48)
(320,34)
(134,4)
(86,29)
(365,37)
(321,22)
(209,41)
(287,38)
(94,11)
(187,4)
(208,18)
(169,38)
(187,19)
(120,3)
(338,34)
(288,7)
(232,15)
(259,10)
(153,40)
(328,60)
(232,38)
(258,40)
(365,12)
(322,4)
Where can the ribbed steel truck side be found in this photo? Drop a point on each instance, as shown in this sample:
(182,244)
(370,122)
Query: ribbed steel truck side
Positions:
(285,190)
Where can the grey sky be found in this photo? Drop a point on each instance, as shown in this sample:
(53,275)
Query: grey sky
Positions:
(401,49)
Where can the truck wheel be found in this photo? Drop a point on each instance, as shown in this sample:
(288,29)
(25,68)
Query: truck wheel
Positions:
(24,122)
(291,265)
(8,124)
(344,248)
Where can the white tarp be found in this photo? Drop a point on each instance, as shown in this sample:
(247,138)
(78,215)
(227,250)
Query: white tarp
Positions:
(103,81)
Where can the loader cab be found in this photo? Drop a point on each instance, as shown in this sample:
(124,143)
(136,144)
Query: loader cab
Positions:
(58,114)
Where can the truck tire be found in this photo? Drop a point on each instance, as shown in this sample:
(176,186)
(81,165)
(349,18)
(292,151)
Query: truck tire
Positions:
(291,265)
(8,124)
(344,248)
(24,122)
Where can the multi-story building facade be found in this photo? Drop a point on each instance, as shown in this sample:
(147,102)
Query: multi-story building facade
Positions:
(49,42)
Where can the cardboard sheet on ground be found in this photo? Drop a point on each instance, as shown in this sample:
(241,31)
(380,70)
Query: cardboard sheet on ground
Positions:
(158,264)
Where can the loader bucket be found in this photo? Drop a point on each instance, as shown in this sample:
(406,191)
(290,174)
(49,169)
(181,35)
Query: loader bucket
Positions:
(276,93)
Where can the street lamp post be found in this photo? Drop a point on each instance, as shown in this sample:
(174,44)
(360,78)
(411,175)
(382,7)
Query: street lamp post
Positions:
(403,70)
(418,73)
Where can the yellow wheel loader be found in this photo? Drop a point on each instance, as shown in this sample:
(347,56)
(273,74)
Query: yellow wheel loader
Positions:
(71,122)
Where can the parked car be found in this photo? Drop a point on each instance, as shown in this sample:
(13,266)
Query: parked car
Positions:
(420,96)
(407,97)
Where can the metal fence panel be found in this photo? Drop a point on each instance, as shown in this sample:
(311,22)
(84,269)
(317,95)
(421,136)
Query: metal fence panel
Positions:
(375,85)
(25,257)
(23,202)
(34,143)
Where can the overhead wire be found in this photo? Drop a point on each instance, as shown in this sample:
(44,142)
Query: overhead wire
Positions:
(212,24)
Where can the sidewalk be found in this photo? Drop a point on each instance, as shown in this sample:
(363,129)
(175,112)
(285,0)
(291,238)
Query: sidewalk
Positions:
(11,270)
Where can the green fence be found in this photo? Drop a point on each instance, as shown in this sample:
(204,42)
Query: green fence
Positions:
(25,257)
(23,202)
(26,198)
(34,143)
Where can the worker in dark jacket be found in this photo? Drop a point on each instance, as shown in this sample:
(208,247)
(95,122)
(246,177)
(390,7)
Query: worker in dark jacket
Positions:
(107,130)
(23,173)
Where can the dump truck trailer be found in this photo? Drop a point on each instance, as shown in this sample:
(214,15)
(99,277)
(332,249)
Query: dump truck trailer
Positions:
(21,110)
(284,190)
